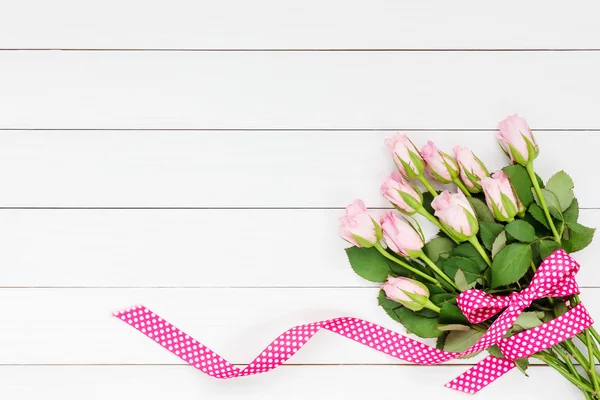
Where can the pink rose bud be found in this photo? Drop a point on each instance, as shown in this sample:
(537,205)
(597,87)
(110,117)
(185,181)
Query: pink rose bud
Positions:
(500,196)
(516,140)
(472,169)
(401,193)
(406,156)
(456,214)
(400,236)
(439,164)
(357,226)
(410,293)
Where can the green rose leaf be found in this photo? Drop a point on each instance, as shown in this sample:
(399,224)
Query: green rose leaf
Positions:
(441,298)
(451,314)
(499,244)
(510,264)
(522,365)
(538,214)
(529,319)
(453,264)
(368,263)
(427,199)
(488,231)
(453,327)
(521,231)
(577,237)
(439,247)
(548,247)
(572,213)
(422,326)
(519,178)
(495,351)
(459,341)
(467,250)
(461,281)
(481,210)
(561,185)
(551,201)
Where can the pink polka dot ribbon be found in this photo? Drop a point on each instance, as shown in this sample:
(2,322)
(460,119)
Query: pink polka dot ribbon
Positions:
(554,277)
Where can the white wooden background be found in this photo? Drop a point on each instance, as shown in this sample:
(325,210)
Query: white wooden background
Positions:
(194,156)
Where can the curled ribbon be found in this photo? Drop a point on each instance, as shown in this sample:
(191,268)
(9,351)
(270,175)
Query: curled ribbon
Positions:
(554,278)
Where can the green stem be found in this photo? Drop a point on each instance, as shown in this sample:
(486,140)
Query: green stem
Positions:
(538,191)
(405,265)
(438,271)
(462,187)
(437,223)
(432,306)
(563,371)
(473,240)
(427,185)
(592,364)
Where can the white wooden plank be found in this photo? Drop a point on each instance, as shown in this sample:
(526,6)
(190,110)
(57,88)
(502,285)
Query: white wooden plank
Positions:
(44,89)
(75,326)
(238,24)
(297,382)
(191,248)
(240,169)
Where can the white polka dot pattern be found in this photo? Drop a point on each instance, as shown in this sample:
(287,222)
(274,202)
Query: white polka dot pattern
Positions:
(476,305)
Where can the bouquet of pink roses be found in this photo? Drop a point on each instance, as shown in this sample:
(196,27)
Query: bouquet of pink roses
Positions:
(497,276)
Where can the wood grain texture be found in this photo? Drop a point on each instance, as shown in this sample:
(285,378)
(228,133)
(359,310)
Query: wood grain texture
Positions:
(75,326)
(191,248)
(309,24)
(297,382)
(297,90)
(263,169)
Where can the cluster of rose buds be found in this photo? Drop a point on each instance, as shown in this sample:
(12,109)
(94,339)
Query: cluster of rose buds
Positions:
(453,212)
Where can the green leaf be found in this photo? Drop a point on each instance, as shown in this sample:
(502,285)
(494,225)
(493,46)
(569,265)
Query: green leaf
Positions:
(495,351)
(441,298)
(510,264)
(561,185)
(519,178)
(439,247)
(467,250)
(488,231)
(522,365)
(538,214)
(578,237)
(481,210)
(427,199)
(368,263)
(551,201)
(451,314)
(521,231)
(422,326)
(529,319)
(548,247)
(572,213)
(459,341)
(461,281)
(499,244)
(439,343)
(453,264)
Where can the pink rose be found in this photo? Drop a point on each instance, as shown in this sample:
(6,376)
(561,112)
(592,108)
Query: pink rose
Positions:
(455,212)
(401,193)
(439,164)
(500,196)
(406,156)
(357,226)
(472,169)
(516,139)
(396,289)
(400,236)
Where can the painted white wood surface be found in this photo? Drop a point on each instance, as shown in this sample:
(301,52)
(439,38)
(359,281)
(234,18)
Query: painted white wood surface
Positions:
(122,169)
(297,90)
(299,24)
(290,382)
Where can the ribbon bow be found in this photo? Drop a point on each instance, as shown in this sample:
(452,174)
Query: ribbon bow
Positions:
(555,277)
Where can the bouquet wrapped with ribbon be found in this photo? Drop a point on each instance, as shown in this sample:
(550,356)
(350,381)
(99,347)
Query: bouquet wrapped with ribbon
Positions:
(497,277)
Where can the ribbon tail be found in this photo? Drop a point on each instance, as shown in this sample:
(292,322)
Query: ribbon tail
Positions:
(481,375)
